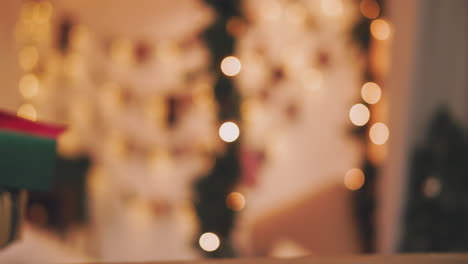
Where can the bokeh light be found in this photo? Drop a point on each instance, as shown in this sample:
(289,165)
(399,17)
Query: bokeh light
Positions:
(27,111)
(332,7)
(371,93)
(229,132)
(354,179)
(231,66)
(209,242)
(68,143)
(380,29)
(370,9)
(28,58)
(431,187)
(235,201)
(313,79)
(29,86)
(359,114)
(379,133)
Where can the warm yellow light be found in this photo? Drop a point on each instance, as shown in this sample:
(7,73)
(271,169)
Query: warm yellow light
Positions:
(27,111)
(359,114)
(28,58)
(354,179)
(371,93)
(209,242)
(379,133)
(272,10)
(43,10)
(121,51)
(380,29)
(332,7)
(235,201)
(431,187)
(313,79)
(68,143)
(370,9)
(296,13)
(231,66)
(29,86)
(229,132)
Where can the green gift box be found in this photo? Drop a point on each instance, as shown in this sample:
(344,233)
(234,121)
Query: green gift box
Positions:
(26,162)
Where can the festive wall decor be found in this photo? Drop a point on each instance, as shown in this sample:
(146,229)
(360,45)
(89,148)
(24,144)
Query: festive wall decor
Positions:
(372,33)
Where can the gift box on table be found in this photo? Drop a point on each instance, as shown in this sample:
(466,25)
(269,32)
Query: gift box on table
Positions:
(27,162)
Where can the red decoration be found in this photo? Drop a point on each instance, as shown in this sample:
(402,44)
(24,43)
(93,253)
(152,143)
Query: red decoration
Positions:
(10,122)
(251,162)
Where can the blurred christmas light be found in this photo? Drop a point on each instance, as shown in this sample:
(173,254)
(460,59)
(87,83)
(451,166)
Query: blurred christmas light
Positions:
(370,9)
(380,29)
(229,132)
(28,58)
(29,86)
(272,10)
(371,92)
(359,114)
(231,66)
(332,7)
(121,51)
(27,111)
(354,179)
(78,36)
(68,143)
(235,26)
(235,201)
(313,79)
(379,133)
(209,242)
(42,11)
(296,13)
(431,187)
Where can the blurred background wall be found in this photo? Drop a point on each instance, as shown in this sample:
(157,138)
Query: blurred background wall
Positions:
(428,68)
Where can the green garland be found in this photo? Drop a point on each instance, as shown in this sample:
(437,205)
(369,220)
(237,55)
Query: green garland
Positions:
(211,190)
(365,197)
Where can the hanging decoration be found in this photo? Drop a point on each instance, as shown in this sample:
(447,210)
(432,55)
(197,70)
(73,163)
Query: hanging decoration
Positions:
(373,34)
(216,219)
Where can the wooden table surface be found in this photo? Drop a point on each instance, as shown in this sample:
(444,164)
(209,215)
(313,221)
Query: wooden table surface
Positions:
(371,259)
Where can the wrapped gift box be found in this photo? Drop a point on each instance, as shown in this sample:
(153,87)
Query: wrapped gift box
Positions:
(27,162)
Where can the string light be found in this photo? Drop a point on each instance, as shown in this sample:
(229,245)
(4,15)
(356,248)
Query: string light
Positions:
(42,11)
(229,132)
(354,179)
(68,143)
(209,242)
(380,29)
(29,86)
(235,201)
(379,133)
(313,79)
(273,10)
(359,114)
(27,111)
(28,58)
(369,9)
(121,51)
(230,66)
(332,7)
(371,93)
(431,187)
